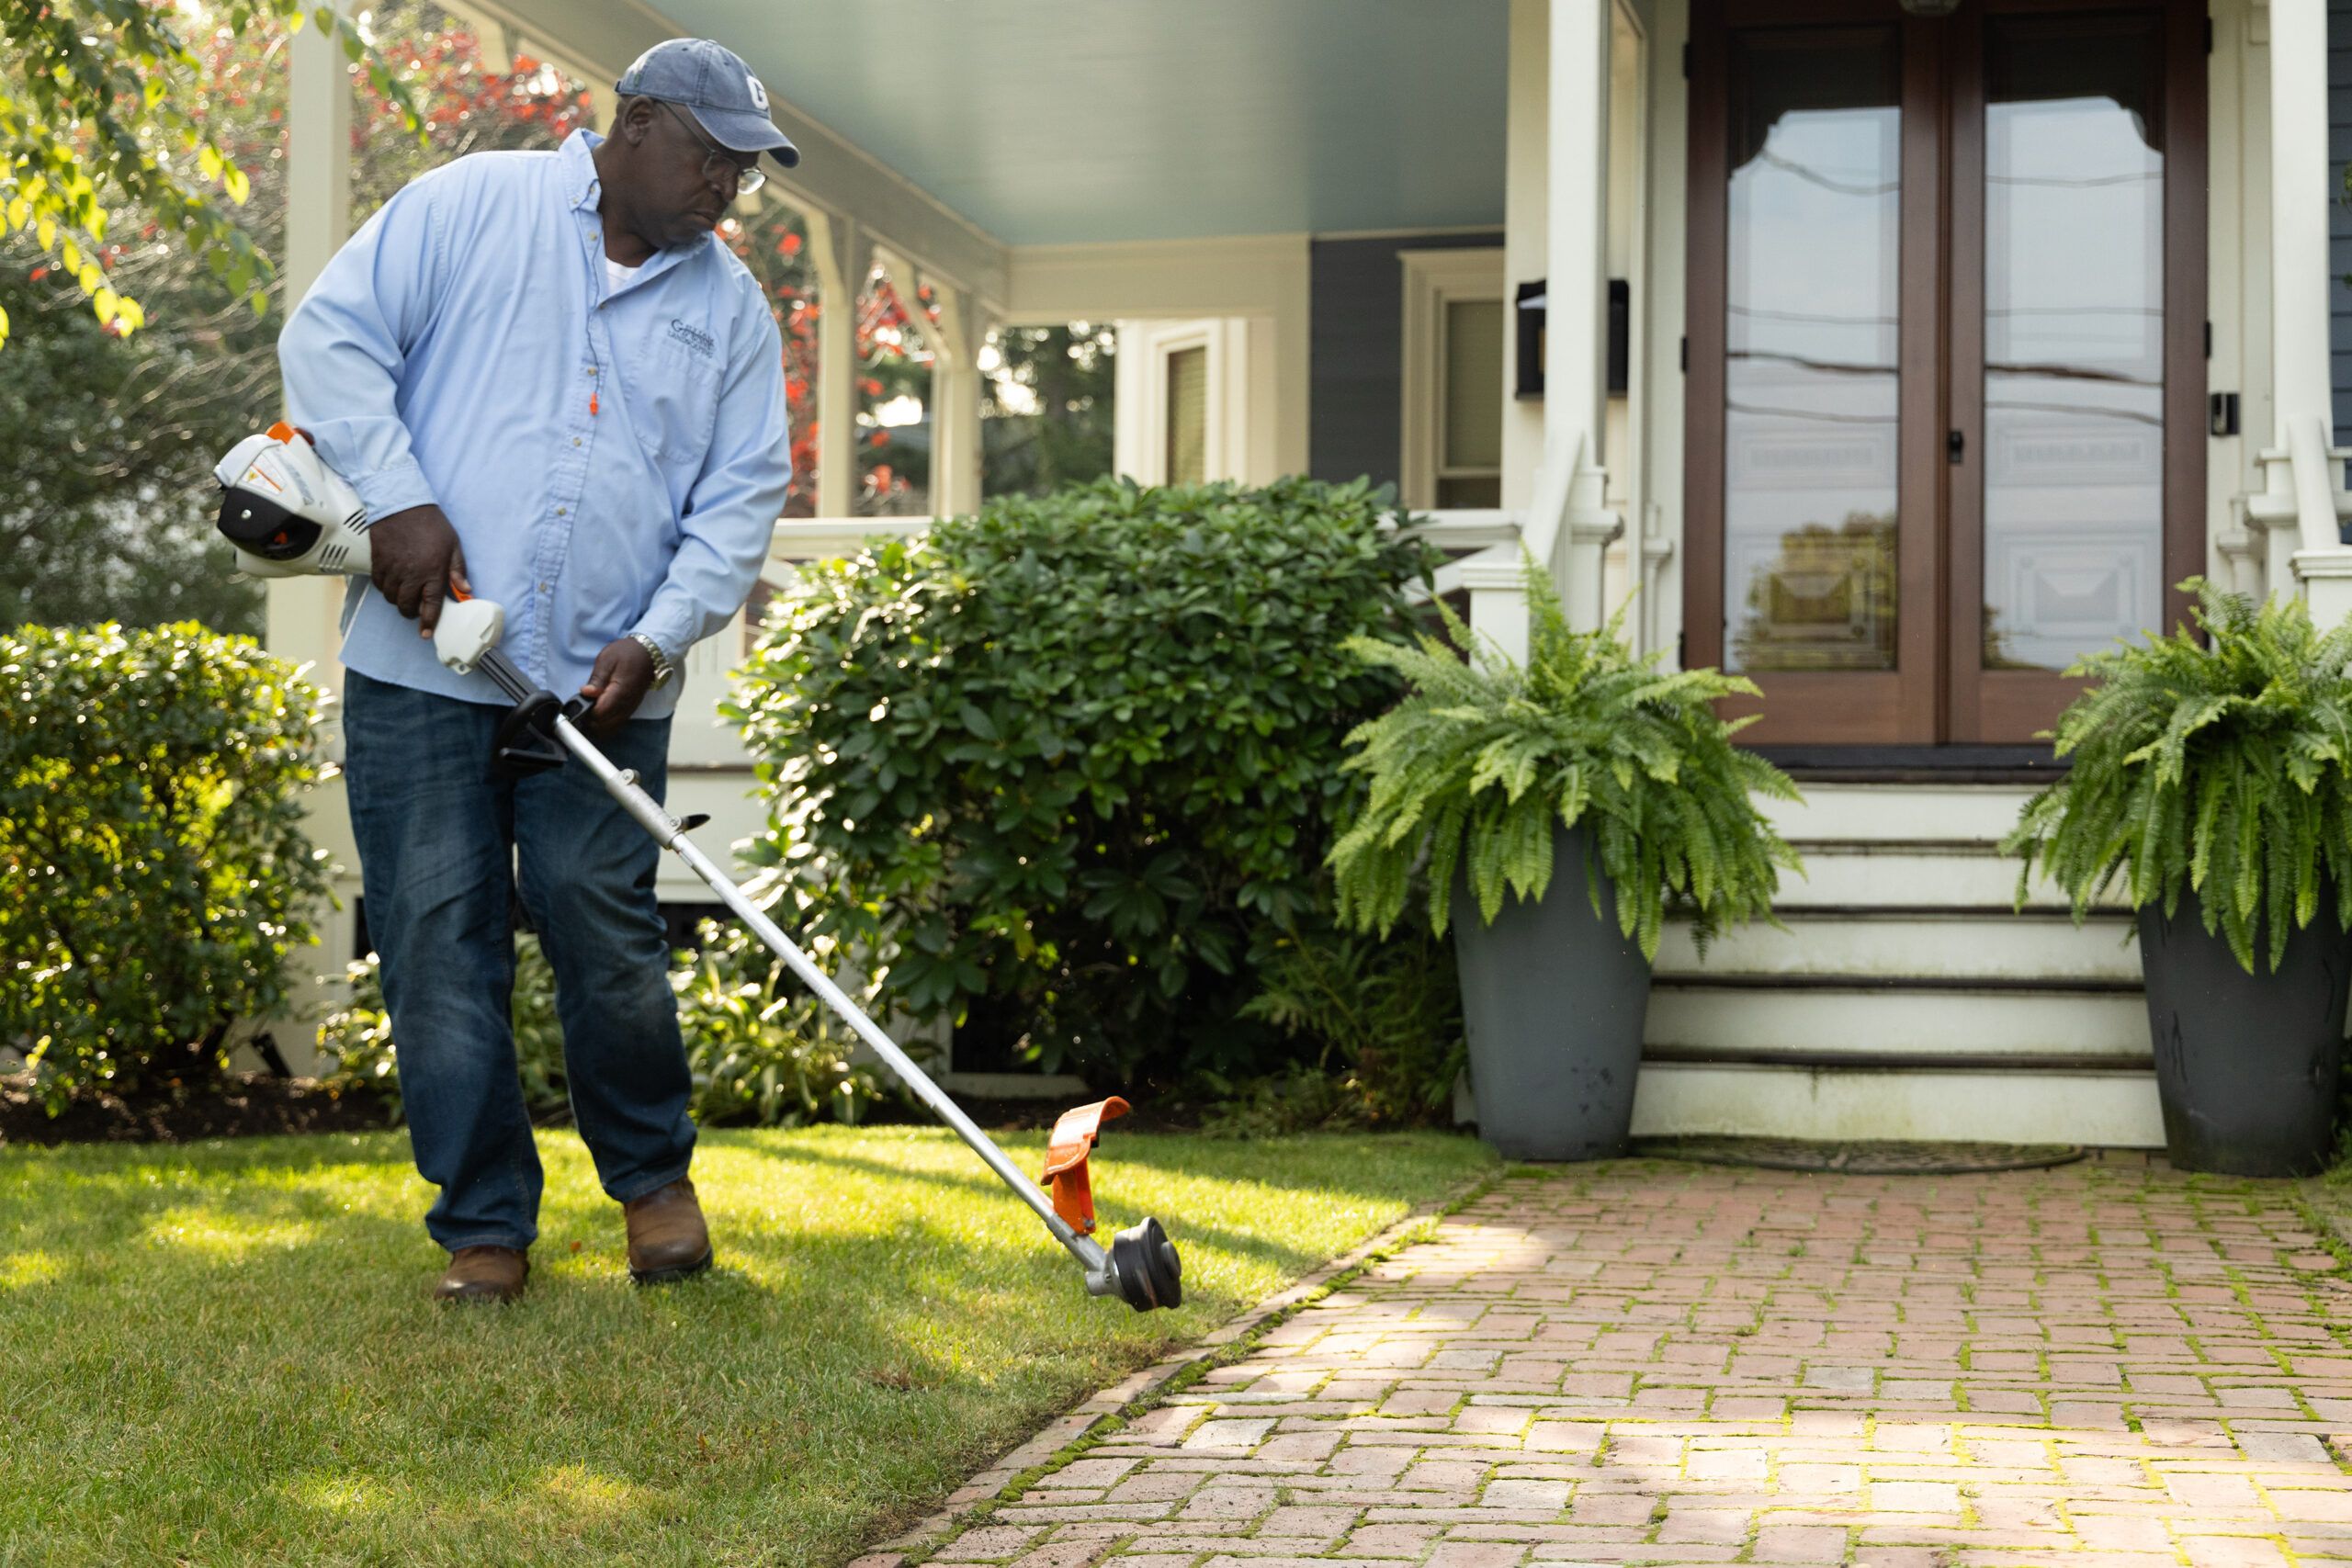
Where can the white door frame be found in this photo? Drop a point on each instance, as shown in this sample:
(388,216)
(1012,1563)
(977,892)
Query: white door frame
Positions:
(1434,280)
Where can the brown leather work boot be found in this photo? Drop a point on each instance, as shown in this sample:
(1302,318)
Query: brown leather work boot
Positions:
(667,1238)
(483,1274)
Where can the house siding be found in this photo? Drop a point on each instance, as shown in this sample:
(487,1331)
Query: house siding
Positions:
(2339,256)
(1356,377)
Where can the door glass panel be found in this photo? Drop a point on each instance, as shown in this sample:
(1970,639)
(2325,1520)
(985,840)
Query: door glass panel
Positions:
(1811,345)
(2073,336)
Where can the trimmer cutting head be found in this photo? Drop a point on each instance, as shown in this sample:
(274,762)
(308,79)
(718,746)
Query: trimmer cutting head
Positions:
(1150,1274)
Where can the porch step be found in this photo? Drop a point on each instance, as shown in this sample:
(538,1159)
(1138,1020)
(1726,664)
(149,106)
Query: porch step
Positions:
(1979,814)
(1908,997)
(1951,875)
(1985,1104)
(1893,940)
(1899,1021)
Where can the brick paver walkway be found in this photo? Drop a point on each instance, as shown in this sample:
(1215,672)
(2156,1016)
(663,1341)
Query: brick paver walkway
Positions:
(2106,1364)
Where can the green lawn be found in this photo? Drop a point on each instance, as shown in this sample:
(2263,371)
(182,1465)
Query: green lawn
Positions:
(225,1353)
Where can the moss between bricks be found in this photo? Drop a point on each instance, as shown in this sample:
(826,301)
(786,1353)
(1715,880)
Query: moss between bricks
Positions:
(1408,1232)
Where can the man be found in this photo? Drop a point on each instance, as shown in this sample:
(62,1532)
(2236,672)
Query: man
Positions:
(555,387)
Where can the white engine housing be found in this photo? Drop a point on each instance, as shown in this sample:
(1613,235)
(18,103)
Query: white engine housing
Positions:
(287,512)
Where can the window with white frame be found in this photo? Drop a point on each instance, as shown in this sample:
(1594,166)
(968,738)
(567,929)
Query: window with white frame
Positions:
(1182,407)
(1187,455)
(1452,412)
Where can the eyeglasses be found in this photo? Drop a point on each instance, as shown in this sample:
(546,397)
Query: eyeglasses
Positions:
(721,165)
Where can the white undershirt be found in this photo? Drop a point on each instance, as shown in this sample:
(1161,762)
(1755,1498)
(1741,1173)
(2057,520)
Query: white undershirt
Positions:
(616,277)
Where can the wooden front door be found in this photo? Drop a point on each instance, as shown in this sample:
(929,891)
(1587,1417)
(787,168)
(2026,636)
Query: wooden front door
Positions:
(1946,378)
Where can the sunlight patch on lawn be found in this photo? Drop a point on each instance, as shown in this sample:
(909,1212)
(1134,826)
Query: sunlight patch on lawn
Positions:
(227,1237)
(339,1494)
(581,1492)
(18,1270)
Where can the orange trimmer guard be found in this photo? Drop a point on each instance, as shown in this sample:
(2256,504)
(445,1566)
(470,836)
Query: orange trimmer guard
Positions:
(1073,1139)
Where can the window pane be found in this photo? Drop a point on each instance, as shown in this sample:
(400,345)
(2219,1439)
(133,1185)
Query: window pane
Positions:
(2073,336)
(1474,383)
(1811,344)
(1188,416)
(1470,489)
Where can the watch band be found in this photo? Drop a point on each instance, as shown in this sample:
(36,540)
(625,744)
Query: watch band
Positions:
(662,668)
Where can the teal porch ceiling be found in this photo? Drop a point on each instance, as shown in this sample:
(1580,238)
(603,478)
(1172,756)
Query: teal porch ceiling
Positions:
(1051,121)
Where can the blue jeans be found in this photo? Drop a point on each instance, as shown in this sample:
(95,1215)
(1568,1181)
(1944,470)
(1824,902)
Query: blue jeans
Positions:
(443,849)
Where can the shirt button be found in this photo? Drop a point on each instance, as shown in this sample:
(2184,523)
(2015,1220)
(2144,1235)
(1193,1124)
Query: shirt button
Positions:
(546,588)
(592,370)
(561,510)
(575,441)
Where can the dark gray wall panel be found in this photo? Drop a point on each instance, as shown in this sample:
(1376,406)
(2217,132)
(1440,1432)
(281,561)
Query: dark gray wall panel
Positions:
(1357,375)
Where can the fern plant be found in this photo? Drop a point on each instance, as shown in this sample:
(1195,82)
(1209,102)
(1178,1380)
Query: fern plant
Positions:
(2222,765)
(1483,758)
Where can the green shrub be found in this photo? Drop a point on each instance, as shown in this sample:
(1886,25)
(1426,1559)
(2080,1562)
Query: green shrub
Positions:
(2222,763)
(1382,1016)
(155,874)
(358,1037)
(761,1048)
(1072,758)
(1485,758)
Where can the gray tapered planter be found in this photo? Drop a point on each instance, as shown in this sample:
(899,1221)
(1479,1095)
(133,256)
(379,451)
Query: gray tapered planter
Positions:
(1554,999)
(2247,1065)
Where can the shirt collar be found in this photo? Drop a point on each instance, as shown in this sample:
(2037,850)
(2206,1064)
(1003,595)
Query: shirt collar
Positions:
(582,185)
(578,155)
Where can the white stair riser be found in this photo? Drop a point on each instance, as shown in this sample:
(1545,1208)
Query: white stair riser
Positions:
(1897,812)
(1912,879)
(1957,1022)
(2099,1110)
(2024,947)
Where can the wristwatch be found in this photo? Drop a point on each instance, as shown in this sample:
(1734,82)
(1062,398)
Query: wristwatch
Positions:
(662,668)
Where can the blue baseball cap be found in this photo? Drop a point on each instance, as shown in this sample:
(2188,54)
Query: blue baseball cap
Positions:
(710,82)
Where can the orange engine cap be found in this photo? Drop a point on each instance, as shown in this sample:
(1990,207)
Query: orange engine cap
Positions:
(1073,1139)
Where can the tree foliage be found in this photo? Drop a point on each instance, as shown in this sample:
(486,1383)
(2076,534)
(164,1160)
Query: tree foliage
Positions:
(1048,409)
(106,444)
(1485,758)
(153,869)
(103,103)
(2218,759)
(1070,760)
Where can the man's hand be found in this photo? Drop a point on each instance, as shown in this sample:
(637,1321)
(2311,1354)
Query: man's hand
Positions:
(415,556)
(624,673)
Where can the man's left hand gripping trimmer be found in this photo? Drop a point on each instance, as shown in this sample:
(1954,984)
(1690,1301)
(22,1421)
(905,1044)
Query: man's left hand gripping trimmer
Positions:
(289,515)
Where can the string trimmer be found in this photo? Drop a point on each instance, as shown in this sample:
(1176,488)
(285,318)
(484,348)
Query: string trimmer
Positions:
(289,515)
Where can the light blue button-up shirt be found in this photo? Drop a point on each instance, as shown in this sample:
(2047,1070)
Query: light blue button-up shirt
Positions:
(611,462)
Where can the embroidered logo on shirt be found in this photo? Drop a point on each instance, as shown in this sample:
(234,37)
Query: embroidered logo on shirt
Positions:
(701,342)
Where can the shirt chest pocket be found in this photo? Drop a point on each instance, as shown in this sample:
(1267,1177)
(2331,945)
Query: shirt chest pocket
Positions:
(677,393)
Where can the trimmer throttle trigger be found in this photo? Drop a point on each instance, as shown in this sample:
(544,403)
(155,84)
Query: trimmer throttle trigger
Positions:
(1074,1137)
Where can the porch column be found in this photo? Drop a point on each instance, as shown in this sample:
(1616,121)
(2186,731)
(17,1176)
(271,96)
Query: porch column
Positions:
(955,402)
(842,261)
(2304,487)
(302,610)
(1570,515)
